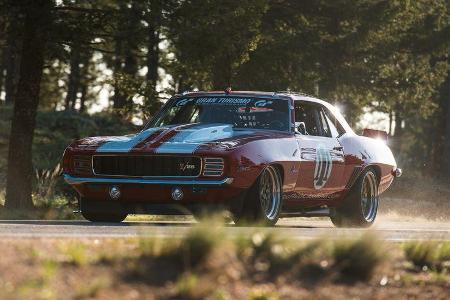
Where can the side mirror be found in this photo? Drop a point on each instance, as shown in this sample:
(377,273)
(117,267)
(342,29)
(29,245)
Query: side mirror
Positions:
(301,127)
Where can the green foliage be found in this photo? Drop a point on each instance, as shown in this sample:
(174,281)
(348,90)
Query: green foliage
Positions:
(75,254)
(357,259)
(429,255)
(200,242)
(212,39)
(262,294)
(187,286)
(91,289)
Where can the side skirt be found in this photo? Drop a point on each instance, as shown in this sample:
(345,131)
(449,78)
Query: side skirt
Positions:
(313,212)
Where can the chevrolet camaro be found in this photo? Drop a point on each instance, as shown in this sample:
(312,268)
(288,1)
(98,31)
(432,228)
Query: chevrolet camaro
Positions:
(258,155)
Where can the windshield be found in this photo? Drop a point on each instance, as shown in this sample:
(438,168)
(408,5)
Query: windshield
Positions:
(240,112)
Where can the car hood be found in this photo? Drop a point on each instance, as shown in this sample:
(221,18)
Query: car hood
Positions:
(176,139)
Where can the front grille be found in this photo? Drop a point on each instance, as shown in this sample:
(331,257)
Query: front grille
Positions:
(82,164)
(161,166)
(213,166)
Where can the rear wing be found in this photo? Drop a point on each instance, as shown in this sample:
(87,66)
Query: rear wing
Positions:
(375,134)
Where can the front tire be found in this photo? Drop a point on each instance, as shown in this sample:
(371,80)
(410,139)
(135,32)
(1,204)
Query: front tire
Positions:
(104,217)
(91,213)
(361,204)
(263,202)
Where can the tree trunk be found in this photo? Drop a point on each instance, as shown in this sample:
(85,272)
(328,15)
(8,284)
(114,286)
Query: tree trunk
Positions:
(12,59)
(154,28)
(390,123)
(2,70)
(398,132)
(2,53)
(19,176)
(118,99)
(441,133)
(445,167)
(84,79)
(74,78)
(83,97)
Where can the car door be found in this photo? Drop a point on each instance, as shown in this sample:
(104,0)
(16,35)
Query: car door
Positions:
(321,154)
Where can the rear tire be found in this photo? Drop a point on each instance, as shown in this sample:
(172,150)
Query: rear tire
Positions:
(361,204)
(263,202)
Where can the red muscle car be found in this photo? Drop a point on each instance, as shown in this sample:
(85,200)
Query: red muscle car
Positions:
(259,155)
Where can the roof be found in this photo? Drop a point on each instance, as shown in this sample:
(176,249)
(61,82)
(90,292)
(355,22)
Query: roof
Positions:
(293,95)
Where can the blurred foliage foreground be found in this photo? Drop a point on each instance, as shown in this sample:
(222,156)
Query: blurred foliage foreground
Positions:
(55,131)
(207,264)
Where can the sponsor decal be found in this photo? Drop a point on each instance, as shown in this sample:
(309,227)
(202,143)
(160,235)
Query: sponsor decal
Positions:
(183,102)
(215,101)
(262,103)
(324,164)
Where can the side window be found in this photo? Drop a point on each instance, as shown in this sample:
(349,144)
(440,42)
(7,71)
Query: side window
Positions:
(312,116)
(326,130)
(335,127)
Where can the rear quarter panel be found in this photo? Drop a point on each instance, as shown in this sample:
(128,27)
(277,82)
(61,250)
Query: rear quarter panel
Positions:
(366,152)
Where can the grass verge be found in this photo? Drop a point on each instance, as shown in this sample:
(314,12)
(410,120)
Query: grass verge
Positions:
(207,264)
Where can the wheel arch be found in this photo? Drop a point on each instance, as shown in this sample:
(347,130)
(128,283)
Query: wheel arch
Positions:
(276,165)
(280,169)
(376,169)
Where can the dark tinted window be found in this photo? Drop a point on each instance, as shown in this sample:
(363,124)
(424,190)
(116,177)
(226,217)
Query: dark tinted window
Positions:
(241,112)
(317,121)
(309,115)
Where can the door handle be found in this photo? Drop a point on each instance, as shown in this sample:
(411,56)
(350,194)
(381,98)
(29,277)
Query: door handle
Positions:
(338,148)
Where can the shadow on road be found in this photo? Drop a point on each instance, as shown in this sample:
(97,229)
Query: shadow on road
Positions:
(138,223)
(87,223)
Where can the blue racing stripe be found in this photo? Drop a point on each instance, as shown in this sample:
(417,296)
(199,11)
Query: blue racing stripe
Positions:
(126,143)
(189,139)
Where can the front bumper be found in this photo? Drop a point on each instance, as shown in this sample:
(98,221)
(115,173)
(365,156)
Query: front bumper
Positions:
(194,182)
(153,191)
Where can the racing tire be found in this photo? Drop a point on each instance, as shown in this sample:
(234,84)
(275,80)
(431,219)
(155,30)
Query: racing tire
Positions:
(104,217)
(93,215)
(264,200)
(360,207)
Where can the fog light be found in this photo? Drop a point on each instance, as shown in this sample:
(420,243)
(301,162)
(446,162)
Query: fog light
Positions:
(114,192)
(177,194)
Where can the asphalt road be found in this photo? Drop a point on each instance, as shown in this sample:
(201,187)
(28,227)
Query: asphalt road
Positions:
(297,229)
